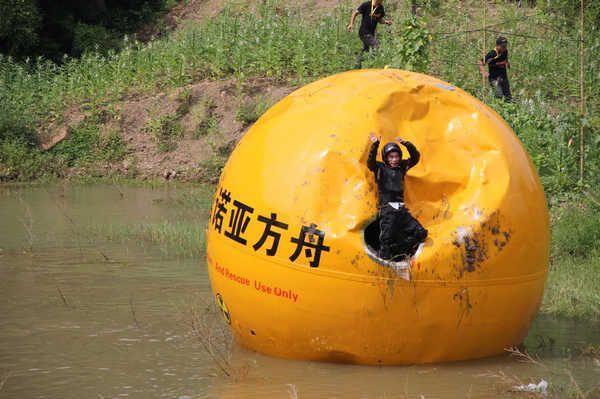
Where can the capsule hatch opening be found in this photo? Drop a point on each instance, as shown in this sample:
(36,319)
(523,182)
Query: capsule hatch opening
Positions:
(371,242)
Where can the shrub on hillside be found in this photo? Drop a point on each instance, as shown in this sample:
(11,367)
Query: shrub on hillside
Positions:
(576,232)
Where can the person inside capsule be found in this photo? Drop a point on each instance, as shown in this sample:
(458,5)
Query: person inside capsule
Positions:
(399,232)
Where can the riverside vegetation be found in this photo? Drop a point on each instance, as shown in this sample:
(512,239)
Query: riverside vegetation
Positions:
(277,41)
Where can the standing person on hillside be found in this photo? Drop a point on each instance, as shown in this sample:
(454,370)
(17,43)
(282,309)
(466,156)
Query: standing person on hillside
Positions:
(497,62)
(372,13)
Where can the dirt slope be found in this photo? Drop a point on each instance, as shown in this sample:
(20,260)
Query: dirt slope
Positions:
(181,133)
(185,133)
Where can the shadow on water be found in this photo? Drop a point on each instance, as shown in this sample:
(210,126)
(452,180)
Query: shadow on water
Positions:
(87,316)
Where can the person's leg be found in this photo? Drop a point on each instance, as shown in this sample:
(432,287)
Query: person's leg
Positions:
(497,87)
(410,233)
(365,48)
(386,231)
(506,89)
(358,64)
(366,41)
(373,43)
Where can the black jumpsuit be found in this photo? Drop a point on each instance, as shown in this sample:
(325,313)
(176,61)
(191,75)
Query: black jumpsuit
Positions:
(497,63)
(400,233)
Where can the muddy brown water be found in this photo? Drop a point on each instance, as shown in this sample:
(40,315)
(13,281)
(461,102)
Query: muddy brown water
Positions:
(82,316)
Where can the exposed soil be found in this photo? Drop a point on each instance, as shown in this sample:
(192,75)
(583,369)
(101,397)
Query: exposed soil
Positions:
(193,108)
(190,107)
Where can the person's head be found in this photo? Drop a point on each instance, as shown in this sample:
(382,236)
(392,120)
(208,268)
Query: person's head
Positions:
(377,2)
(501,43)
(391,155)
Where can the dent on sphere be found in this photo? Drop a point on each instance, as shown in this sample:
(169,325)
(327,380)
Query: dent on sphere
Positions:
(292,204)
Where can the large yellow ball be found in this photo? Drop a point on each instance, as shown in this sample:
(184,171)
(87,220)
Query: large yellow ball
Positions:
(286,249)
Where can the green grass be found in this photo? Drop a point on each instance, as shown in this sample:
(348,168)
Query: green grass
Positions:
(182,238)
(85,146)
(576,232)
(286,43)
(573,286)
(112,146)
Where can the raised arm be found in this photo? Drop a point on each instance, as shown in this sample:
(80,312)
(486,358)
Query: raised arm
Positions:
(412,152)
(372,160)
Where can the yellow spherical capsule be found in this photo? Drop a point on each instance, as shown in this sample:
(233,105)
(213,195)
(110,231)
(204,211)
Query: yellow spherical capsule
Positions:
(290,240)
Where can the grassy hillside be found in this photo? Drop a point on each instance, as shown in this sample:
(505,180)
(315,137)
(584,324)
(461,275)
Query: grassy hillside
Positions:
(290,46)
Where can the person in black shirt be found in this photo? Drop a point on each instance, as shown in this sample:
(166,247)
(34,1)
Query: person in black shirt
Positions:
(372,13)
(399,232)
(497,62)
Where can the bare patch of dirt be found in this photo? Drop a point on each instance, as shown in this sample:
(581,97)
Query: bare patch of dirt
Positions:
(206,115)
(203,114)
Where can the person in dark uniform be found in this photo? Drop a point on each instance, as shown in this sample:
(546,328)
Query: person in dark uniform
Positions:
(497,62)
(372,13)
(399,232)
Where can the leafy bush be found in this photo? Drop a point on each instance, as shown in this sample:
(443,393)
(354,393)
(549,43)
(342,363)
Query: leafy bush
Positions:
(206,126)
(88,37)
(549,139)
(81,146)
(49,29)
(23,160)
(407,49)
(12,157)
(19,26)
(413,46)
(20,161)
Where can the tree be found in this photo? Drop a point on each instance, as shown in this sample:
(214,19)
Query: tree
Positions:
(19,25)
